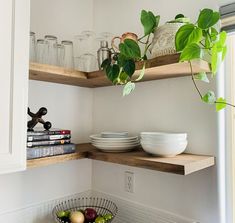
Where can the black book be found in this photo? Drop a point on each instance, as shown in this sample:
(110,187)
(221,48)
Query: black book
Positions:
(48,142)
(44,151)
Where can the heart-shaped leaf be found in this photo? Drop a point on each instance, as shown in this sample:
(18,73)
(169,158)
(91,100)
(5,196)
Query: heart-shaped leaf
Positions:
(208,18)
(192,51)
(186,35)
(129,87)
(129,67)
(130,49)
(149,21)
(220,104)
(112,72)
(202,77)
(209,97)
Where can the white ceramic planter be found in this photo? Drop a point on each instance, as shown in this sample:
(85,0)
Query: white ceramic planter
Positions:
(164,40)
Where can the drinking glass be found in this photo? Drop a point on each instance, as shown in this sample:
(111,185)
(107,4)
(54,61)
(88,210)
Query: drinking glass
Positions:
(88,59)
(60,51)
(41,47)
(67,61)
(107,36)
(32,47)
(51,54)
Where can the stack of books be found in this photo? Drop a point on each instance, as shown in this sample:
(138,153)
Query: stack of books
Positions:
(41,143)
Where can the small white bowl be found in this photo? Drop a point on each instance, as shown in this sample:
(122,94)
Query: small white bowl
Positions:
(165,149)
(154,141)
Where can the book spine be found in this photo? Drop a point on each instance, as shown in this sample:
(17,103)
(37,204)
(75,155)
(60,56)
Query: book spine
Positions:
(47,143)
(47,137)
(39,152)
(52,132)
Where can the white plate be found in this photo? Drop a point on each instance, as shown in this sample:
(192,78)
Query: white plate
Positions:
(116,148)
(114,140)
(98,137)
(114,134)
(115,144)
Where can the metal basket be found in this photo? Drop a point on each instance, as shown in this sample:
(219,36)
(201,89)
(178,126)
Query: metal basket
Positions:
(101,205)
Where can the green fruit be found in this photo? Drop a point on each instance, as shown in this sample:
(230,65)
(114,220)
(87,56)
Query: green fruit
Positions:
(108,217)
(100,220)
(61,214)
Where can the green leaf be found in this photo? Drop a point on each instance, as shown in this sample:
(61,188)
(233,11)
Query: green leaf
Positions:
(220,104)
(222,38)
(193,51)
(148,21)
(207,18)
(142,72)
(186,35)
(209,97)
(105,63)
(112,72)
(213,33)
(157,22)
(129,67)
(129,87)
(224,52)
(202,77)
(214,59)
(179,16)
(123,78)
(130,49)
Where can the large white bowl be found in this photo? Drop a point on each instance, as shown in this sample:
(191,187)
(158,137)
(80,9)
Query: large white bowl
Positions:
(154,141)
(163,135)
(164,149)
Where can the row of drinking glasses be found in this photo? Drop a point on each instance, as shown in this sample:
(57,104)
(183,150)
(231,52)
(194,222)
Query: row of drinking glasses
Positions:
(48,51)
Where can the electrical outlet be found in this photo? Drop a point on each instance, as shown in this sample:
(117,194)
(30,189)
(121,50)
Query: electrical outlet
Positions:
(129,182)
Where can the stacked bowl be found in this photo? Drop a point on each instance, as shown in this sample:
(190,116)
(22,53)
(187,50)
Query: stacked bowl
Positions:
(115,141)
(163,144)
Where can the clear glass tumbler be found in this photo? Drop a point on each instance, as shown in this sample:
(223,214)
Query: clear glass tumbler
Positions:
(51,54)
(32,47)
(60,50)
(41,47)
(67,61)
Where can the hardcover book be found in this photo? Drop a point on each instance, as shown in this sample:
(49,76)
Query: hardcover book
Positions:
(49,132)
(44,151)
(33,138)
(48,142)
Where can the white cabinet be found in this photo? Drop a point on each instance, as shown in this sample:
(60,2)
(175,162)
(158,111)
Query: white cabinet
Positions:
(14,44)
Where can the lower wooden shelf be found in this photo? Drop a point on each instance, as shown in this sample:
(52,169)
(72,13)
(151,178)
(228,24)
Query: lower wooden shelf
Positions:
(182,164)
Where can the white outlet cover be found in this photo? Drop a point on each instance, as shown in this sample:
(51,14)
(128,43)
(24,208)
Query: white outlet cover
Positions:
(129,182)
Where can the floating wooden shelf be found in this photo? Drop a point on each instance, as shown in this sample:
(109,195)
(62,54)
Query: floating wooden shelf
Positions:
(183,164)
(81,152)
(157,68)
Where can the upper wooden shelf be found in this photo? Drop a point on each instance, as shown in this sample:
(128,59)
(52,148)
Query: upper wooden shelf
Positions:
(183,164)
(157,68)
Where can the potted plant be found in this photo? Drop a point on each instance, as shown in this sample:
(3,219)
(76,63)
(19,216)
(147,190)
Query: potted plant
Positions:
(164,37)
(200,40)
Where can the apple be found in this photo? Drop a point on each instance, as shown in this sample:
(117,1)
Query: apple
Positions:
(90,214)
(77,217)
(100,220)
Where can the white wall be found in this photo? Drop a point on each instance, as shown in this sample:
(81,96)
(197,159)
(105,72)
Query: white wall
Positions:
(68,107)
(165,105)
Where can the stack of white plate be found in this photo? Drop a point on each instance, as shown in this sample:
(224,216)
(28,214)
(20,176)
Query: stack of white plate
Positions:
(115,141)
(163,144)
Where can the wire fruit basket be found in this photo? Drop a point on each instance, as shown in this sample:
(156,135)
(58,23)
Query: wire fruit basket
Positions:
(102,207)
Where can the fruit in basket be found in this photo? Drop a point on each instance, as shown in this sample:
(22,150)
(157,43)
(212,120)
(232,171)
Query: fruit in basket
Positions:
(100,219)
(77,217)
(90,214)
(107,217)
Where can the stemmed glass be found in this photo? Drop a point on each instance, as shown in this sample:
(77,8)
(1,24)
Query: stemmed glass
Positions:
(79,51)
(107,36)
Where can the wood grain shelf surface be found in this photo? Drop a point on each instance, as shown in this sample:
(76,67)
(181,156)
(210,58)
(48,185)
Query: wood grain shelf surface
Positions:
(81,153)
(183,164)
(157,68)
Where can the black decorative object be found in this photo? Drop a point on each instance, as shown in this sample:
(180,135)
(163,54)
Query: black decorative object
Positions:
(37,118)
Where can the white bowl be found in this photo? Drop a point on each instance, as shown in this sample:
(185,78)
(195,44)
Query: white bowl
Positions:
(154,141)
(163,135)
(164,149)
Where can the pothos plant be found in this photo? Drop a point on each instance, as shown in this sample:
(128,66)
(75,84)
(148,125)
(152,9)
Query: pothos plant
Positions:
(200,40)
